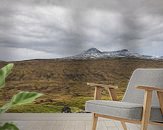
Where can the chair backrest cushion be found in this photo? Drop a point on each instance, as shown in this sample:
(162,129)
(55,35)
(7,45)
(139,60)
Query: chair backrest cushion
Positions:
(148,77)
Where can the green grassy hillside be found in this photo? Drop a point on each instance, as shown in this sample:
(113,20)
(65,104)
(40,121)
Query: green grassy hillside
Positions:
(64,81)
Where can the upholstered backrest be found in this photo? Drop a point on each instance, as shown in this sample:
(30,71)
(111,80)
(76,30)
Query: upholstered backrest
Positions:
(147,77)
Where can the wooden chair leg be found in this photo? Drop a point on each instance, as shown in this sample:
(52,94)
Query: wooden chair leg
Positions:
(124,125)
(146,110)
(94,123)
(160,98)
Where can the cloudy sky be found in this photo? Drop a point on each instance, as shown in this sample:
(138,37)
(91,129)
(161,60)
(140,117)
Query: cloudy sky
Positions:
(31,29)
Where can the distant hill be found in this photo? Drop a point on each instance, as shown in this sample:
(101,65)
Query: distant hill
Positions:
(63,81)
(94,53)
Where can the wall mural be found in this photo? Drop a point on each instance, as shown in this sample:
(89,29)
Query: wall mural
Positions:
(59,46)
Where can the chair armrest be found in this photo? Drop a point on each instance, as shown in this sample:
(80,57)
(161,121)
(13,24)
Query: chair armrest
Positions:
(109,88)
(102,86)
(148,101)
(150,88)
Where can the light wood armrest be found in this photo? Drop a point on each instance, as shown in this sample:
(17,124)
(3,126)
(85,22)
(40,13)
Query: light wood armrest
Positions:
(148,88)
(148,100)
(98,90)
(102,86)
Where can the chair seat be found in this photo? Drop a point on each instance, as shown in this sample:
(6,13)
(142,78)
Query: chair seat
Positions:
(131,111)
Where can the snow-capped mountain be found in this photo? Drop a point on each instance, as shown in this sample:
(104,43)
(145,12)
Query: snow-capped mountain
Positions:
(94,53)
(90,53)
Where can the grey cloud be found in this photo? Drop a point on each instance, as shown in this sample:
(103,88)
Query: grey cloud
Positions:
(36,25)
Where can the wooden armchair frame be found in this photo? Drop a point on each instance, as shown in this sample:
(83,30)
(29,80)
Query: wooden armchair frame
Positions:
(146,107)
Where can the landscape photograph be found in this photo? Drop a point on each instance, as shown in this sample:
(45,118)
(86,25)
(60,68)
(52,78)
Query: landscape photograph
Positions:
(81,64)
(57,47)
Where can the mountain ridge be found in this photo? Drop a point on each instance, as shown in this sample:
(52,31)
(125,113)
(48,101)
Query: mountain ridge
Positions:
(94,53)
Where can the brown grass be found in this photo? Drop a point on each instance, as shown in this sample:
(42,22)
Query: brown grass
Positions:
(63,80)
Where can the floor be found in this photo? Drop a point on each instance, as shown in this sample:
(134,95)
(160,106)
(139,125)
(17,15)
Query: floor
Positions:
(48,121)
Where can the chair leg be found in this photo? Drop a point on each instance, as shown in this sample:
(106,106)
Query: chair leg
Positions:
(146,110)
(144,127)
(124,125)
(94,123)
